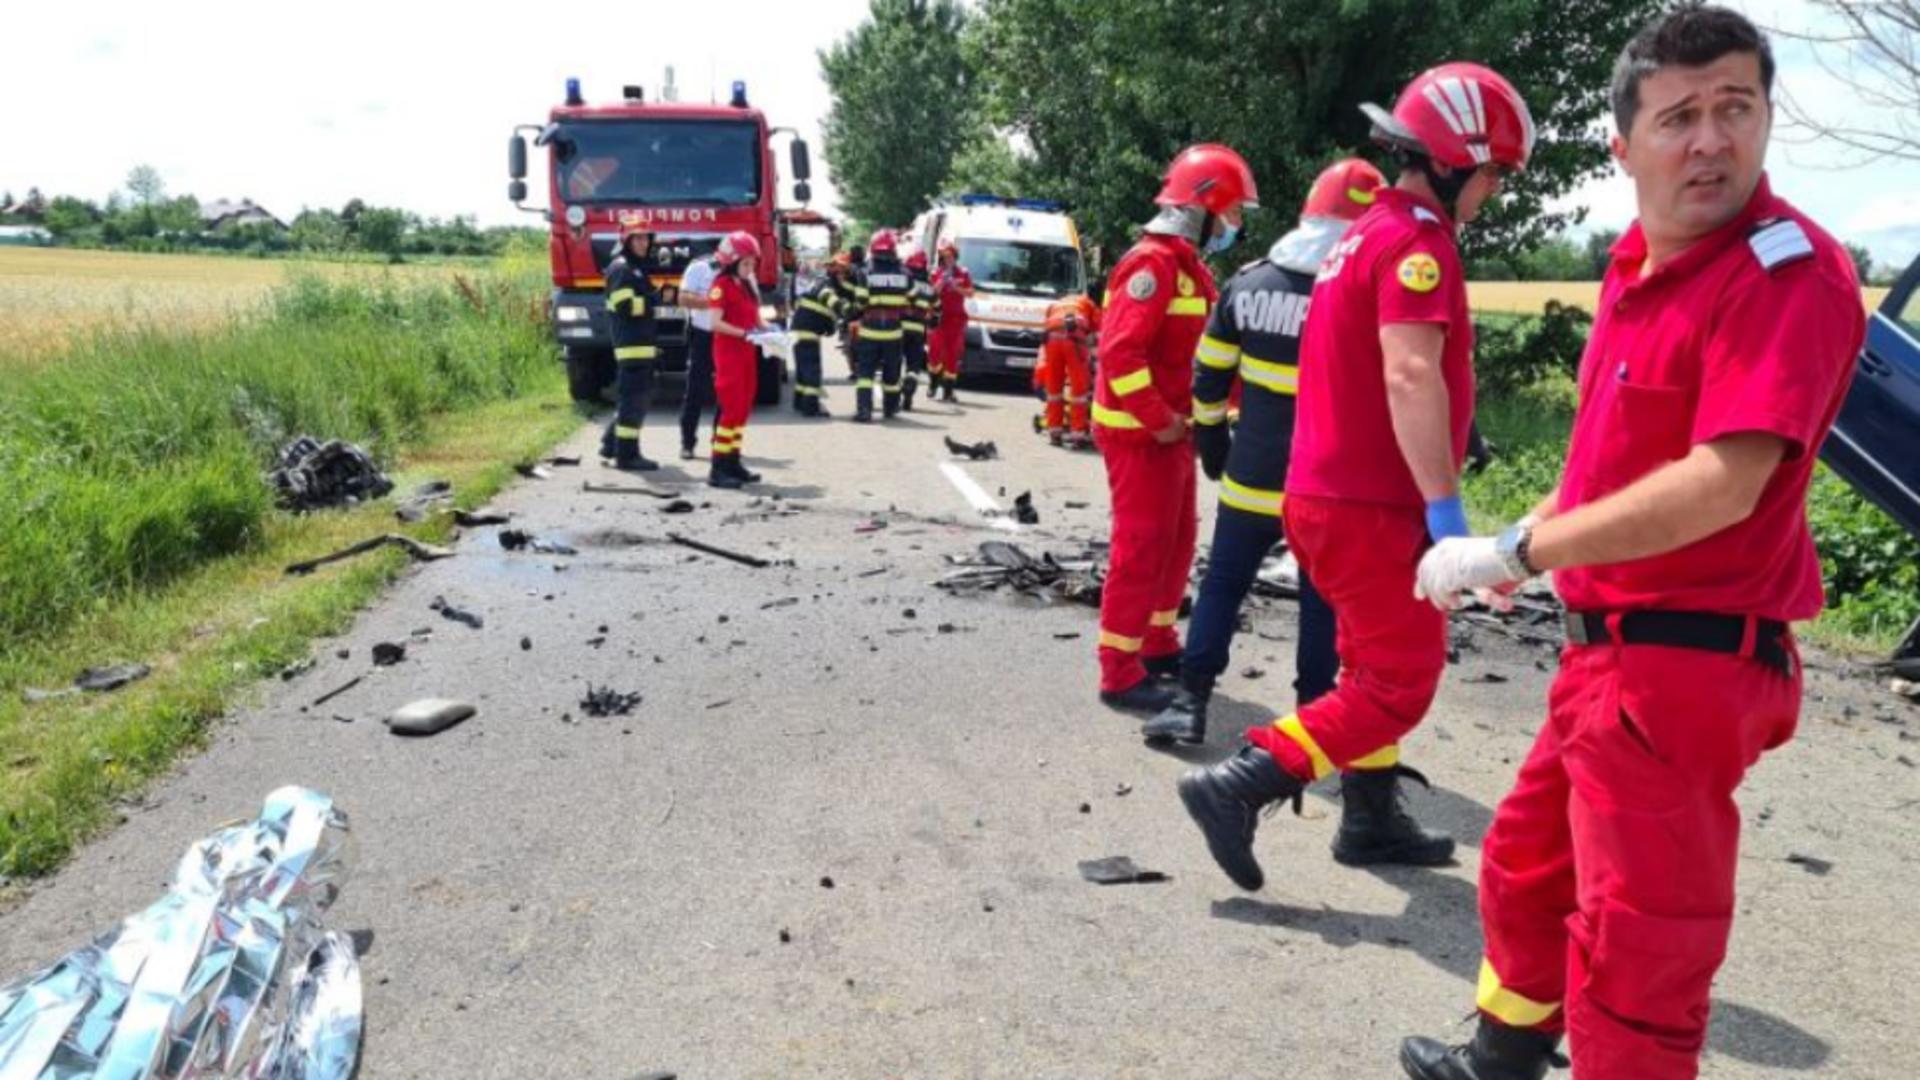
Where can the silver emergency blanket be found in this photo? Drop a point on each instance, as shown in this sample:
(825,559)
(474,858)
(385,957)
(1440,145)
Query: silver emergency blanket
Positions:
(230,974)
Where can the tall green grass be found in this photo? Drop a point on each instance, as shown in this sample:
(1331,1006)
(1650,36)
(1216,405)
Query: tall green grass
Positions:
(137,456)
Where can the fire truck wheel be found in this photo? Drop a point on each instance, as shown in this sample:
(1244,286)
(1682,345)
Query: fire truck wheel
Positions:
(589,371)
(773,372)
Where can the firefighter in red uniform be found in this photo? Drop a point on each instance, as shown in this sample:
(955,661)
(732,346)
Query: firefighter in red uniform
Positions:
(1158,299)
(736,362)
(1065,370)
(1385,401)
(1721,352)
(948,342)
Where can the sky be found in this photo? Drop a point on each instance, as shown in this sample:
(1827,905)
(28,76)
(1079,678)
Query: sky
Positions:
(411,104)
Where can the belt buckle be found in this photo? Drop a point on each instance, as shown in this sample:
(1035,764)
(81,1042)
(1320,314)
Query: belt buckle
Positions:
(1576,627)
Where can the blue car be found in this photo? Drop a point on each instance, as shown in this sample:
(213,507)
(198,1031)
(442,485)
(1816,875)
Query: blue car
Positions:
(1875,445)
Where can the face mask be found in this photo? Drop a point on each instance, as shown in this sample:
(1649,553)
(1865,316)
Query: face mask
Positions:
(1223,238)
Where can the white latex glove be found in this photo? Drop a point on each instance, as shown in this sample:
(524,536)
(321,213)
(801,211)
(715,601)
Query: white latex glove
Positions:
(1463,564)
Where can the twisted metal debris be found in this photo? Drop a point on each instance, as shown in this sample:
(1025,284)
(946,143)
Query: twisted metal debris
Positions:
(1074,577)
(230,974)
(312,475)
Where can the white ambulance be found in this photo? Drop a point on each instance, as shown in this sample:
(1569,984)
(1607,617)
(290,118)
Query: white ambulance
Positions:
(1023,254)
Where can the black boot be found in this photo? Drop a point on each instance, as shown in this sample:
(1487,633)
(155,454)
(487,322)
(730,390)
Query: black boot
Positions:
(1225,801)
(721,474)
(1183,721)
(1143,697)
(907,390)
(1497,1052)
(946,391)
(1376,828)
(1163,667)
(738,466)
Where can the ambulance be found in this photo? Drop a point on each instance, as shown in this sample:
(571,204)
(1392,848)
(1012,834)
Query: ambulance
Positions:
(1023,254)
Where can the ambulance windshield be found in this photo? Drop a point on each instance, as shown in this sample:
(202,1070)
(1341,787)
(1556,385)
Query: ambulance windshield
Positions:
(658,162)
(1018,267)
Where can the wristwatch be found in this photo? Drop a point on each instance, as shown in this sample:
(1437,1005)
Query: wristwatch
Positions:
(1512,547)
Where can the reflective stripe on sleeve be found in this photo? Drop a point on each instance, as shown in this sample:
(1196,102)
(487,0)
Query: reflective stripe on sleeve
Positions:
(1279,378)
(1209,412)
(1114,418)
(1217,354)
(1132,382)
(1188,305)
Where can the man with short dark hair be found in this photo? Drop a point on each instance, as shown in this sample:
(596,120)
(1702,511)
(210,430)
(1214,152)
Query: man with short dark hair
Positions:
(1720,354)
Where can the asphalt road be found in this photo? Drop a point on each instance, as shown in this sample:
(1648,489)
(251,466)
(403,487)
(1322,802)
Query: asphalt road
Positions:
(550,894)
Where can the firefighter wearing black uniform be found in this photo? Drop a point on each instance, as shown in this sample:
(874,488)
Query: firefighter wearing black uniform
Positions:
(920,312)
(814,318)
(1254,338)
(884,299)
(854,262)
(633,306)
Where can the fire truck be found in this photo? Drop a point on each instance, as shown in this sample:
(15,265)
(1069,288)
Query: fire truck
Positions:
(694,173)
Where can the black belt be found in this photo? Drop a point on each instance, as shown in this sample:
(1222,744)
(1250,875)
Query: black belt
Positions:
(1764,640)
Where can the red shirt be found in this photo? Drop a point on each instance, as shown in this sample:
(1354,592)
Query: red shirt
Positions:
(1398,264)
(1157,303)
(1713,343)
(738,305)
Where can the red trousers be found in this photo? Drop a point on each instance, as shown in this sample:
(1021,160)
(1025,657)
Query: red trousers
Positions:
(1361,557)
(1155,522)
(946,344)
(1067,377)
(1606,880)
(736,379)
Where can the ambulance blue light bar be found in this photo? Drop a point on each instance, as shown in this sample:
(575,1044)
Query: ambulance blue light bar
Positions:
(1048,206)
(573,93)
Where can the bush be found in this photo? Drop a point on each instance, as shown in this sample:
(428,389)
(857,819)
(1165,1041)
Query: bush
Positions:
(1514,354)
(1869,563)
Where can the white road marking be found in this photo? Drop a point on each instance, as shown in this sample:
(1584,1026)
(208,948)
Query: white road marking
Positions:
(977,496)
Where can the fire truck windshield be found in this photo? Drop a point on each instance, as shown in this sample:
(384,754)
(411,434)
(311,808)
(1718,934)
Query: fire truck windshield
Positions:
(658,162)
(1015,266)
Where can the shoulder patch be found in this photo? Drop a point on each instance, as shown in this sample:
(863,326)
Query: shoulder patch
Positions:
(1419,272)
(1141,285)
(716,294)
(1421,213)
(1185,284)
(1779,241)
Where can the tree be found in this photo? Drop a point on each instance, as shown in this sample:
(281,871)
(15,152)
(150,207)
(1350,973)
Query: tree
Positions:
(318,230)
(67,216)
(35,206)
(1873,51)
(1107,95)
(1600,252)
(1862,262)
(988,163)
(903,104)
(381,230)
(145,185)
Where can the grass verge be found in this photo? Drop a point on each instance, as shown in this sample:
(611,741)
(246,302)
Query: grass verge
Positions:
(212,632)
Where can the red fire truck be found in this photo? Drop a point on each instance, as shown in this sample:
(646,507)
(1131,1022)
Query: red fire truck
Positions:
(693,172)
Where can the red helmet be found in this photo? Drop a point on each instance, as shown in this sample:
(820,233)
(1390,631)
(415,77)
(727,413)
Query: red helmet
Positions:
(1210,176)
(634,228)
(737,245)
(883,243)
(916,259)
(1460,115)
(1343,190)
(947,246)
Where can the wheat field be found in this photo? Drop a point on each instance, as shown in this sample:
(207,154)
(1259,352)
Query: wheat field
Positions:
(1529,297)
(50,295)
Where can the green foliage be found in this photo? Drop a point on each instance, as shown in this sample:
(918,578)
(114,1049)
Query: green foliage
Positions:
(1514,354)
(903,105)
(1106,95)
(1862,261)
(987,163)
(113,484)
(1871,566)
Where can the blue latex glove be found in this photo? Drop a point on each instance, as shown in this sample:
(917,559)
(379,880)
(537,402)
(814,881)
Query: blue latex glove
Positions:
(1447,517)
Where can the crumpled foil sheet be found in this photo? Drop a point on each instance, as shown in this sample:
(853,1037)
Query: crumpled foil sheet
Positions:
(230,974)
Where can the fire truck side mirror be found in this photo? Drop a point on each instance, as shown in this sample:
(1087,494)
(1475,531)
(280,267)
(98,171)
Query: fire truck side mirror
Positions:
(802,162)
(517,158)
(517,191)
(803,192)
